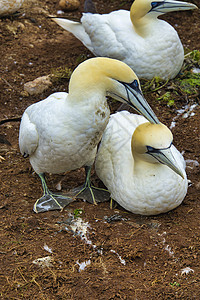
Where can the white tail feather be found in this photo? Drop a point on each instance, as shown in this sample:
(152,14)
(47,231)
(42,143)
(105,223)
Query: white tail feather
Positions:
(76,29)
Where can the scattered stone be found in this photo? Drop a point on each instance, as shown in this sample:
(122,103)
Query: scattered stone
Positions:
(1,159)
(38,85)
(191,163)
(197,185)
(21,26)
(69,4)
(114,218)
(24,94)
(3,140)
(39,10)
(89,7)
(43,261)
(47,248)
(83,265)
(186,271)
(12,28)
(9,7)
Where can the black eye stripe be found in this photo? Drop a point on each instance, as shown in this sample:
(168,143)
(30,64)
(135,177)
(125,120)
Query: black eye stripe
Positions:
(155,4)
(134,85)
(154,150)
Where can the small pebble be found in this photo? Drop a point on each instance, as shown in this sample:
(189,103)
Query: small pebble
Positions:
(38,85)
(69,4)
(9,7)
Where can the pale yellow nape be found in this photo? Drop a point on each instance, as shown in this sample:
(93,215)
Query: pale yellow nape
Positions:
(95,72)
(140,18)
(139,9)
(157,136)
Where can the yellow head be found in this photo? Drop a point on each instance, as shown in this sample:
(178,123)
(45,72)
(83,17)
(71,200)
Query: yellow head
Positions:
(152,143)
(101,77)
(140,8)
(100,71)
(157,136)
(142,11)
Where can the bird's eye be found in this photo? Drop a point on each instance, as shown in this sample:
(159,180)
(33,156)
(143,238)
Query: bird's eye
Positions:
(135,83)
(150,149)
(156,4)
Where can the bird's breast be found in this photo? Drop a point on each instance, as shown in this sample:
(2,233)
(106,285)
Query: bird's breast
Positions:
(68,137)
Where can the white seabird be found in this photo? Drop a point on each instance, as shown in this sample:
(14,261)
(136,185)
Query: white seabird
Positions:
(61,133)
(150,46)
(138,164)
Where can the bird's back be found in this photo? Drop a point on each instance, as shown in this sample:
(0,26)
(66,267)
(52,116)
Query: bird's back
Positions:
(159,53)
(143,188)
(115,145)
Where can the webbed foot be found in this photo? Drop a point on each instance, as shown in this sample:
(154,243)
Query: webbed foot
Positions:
(50,201)
(91,194)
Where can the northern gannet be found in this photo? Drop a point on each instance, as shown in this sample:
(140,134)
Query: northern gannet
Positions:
(138,164)
(8,7)
(61,133)
(151,47)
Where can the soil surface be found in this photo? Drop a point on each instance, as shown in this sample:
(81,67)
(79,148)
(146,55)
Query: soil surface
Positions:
(91,252)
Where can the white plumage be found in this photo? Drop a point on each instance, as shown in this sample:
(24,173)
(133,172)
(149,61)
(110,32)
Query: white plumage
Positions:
(58,136)
(151,47)
(135,179)
(8,7)
(61,133)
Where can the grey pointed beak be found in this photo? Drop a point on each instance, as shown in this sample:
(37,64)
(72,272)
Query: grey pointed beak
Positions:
(166,157)
(172,5)
(134,98)
(137,101)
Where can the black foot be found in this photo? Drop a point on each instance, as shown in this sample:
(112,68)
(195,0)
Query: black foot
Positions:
(51,201)
(91,194)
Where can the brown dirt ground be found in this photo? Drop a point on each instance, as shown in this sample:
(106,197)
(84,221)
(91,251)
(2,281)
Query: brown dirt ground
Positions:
(135,257)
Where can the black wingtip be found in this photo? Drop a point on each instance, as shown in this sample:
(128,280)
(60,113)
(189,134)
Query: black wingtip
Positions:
(25,155)
(3,140)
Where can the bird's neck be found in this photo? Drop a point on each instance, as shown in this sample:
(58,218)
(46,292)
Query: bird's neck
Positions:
(90,107)
(145,169)
(86,96)
(145,25)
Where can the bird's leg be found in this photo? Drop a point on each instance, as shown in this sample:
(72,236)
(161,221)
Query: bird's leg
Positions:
(49,200)
(90,193)
(113,203)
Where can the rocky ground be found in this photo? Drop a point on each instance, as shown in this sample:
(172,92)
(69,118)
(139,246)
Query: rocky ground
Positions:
(86,251)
